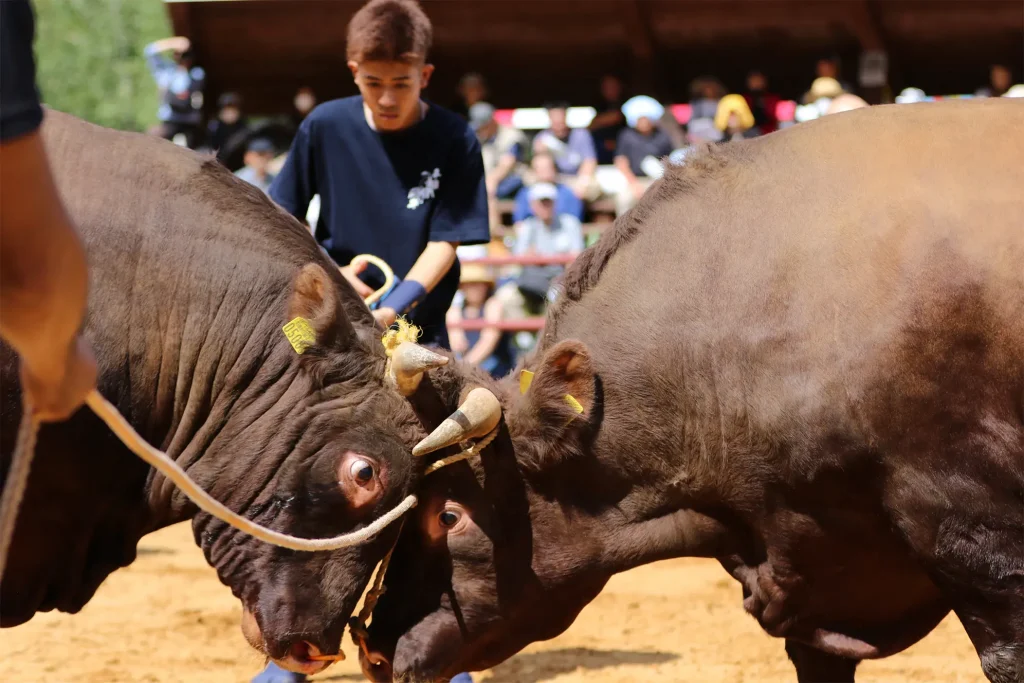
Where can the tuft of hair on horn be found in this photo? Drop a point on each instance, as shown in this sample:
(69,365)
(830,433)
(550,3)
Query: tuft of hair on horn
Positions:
(402,331)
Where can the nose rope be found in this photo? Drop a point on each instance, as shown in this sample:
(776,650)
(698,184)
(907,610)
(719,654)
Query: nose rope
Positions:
(24,452)
(357,625)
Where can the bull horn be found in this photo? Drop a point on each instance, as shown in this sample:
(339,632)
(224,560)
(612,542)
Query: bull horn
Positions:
(408,363)
(476,417)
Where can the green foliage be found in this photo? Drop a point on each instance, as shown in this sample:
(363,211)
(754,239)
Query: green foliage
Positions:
(89,58)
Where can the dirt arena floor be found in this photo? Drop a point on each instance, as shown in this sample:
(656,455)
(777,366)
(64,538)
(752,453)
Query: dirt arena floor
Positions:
(167,619)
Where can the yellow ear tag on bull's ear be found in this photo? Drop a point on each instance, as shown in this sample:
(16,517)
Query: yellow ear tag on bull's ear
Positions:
(525,380)
(300,334)
(574,404)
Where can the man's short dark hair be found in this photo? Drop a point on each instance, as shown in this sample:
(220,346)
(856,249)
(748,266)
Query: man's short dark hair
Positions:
(389,31)
(556,104)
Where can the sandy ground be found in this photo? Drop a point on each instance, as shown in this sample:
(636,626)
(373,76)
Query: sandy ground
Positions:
(167,619)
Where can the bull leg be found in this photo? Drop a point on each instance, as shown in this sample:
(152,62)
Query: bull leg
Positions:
(814,666)
(997,632)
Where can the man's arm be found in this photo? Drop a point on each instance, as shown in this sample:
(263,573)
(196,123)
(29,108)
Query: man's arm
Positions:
(430,268)
(43,279)
(157,59)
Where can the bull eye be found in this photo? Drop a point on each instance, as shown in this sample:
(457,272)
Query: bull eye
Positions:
(362,472)
(448,518)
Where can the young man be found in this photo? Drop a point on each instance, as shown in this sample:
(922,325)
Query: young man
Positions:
(398,177)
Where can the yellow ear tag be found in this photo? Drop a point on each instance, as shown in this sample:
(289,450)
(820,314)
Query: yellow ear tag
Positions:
(300,334)
(525,380)
(574,404)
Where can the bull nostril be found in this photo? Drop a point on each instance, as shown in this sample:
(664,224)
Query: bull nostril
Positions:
(376,667)
(301,651)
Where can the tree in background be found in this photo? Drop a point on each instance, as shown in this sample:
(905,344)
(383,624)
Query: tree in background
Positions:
(89,58)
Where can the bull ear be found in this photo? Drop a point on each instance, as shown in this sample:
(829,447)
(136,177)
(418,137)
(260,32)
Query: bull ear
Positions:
(314,299)
(564,388)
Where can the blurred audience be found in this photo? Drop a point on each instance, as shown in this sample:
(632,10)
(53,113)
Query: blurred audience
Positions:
(229,129)
(829,67)
(845,102)
(543,170)
(180,83)
(258,155)
(472,89)
(734,119)
(503,148)
(489,348)
(704,95)
(642,143)
(762,102)
(608,121)
(573,150)
(303,103)
(545,233)
(999,81)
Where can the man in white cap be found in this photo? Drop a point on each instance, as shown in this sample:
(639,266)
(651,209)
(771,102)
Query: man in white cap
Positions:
(643,140)
(546,233)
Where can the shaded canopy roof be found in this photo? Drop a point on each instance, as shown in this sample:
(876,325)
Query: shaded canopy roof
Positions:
(531,51)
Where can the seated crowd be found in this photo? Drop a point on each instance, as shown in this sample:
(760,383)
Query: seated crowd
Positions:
(546,184)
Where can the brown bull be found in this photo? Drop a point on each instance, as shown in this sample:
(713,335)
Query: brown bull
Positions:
(194,273)
(802,355)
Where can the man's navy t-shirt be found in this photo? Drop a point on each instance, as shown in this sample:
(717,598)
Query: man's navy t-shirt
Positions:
(388,194)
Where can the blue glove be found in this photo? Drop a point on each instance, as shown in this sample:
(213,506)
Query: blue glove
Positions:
(404,296)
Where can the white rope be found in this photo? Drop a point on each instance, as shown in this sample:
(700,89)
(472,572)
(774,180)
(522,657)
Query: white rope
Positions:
(173,472)
(17,480)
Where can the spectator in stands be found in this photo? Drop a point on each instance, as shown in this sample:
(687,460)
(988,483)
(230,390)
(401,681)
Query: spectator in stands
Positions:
(608,121)
(180,83)
(472,89)
(303,103)
(734,119)
(762,102)
(256,171)
(829,67)
(999,81)
(546,233)
(911,96)
(573,150)
(818,98)
(704,95)
(229,128)
(502,147)
(638,146)
(543,170)
(489,348)
(845,102)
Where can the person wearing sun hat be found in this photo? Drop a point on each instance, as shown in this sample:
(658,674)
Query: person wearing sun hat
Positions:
(489,348)
(735,119)
(643,141)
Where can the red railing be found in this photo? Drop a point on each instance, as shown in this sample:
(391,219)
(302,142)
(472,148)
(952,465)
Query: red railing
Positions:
(532,324)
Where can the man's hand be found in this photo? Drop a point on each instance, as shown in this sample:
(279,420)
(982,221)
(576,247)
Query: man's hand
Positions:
(385,316)
(56,390)
(351,274)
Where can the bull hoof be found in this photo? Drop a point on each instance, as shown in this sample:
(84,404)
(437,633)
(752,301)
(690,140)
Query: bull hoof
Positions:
(275,674)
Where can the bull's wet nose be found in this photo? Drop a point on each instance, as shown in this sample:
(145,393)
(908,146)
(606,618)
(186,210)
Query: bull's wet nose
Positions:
(376,666)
